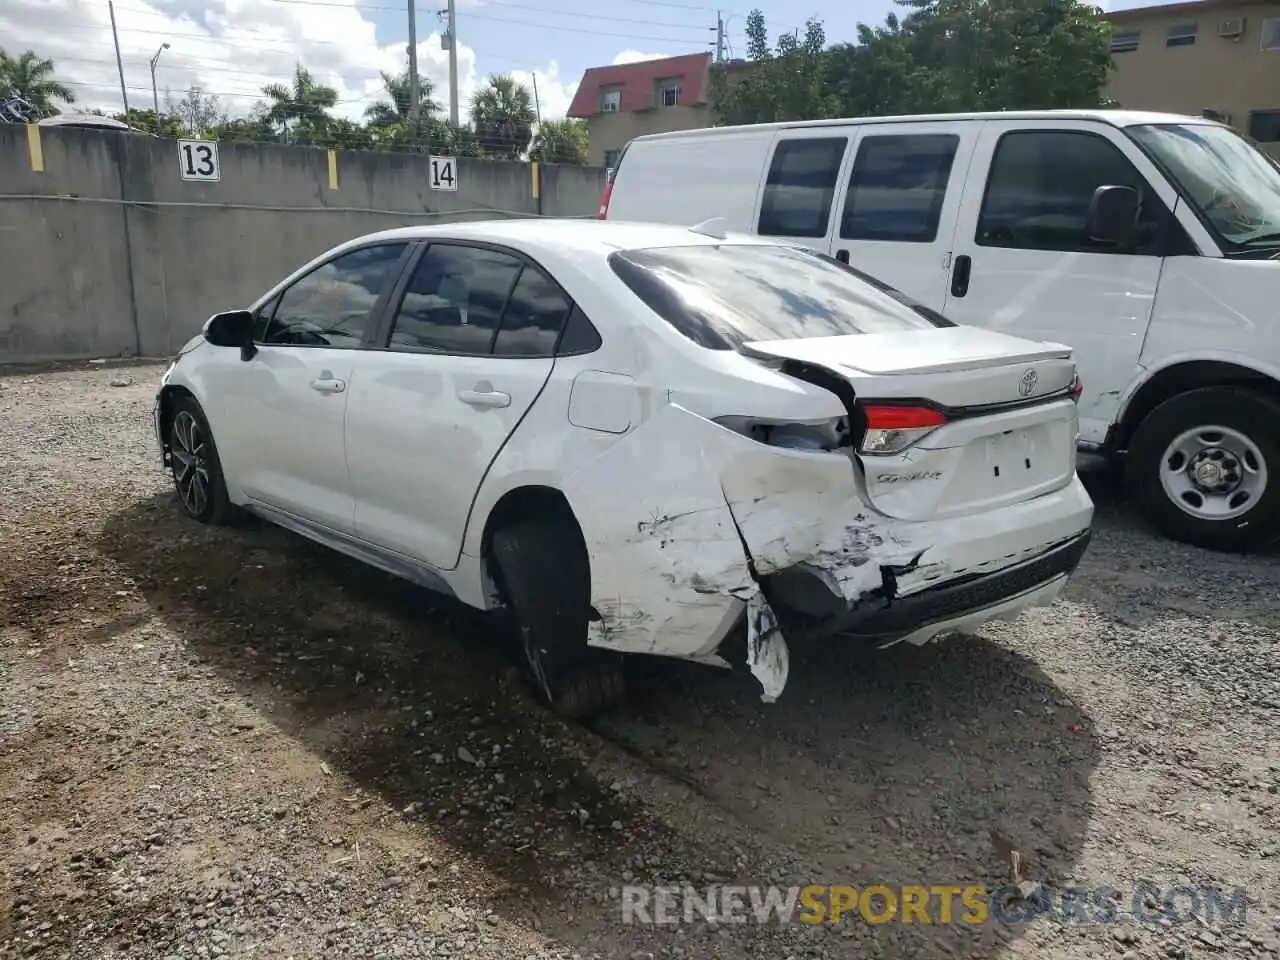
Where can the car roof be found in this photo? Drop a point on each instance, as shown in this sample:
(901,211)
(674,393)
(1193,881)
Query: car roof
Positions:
(1116,118)
(599,237)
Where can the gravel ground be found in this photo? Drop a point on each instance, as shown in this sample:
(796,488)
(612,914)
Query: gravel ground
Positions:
(234,743)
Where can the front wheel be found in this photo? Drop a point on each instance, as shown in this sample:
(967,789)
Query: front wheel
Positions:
(1204,468)
(197,471)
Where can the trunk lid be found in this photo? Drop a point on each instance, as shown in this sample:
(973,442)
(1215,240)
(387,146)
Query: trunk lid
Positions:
(1001,421)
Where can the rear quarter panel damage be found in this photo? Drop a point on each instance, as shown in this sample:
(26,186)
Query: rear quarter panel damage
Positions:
(682,515)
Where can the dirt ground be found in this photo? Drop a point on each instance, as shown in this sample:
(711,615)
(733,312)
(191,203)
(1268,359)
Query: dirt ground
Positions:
(233,743)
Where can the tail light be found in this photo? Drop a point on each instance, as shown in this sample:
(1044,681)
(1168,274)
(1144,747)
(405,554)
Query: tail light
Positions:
(1077,387)
(604,201)
(892,430)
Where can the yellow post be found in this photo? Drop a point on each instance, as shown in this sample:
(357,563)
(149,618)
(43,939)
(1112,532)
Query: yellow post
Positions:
(34,148)
(537,180)
(333,170)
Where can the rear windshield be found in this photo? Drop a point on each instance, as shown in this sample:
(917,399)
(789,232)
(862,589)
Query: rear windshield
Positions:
(726,295)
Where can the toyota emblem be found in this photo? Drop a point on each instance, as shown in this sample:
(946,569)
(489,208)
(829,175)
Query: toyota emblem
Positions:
(1028,383)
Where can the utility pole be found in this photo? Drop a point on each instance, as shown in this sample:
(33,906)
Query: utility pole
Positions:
(453,62)
(155,97)
(124,95)
(719,38)
(537,104)
(414,99)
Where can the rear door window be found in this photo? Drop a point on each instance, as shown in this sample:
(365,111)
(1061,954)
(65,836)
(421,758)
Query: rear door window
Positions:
(800,187)
(897,187)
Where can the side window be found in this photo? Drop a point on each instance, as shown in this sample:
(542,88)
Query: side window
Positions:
(454,300)
(800,187)
(897,187)
(331,305)
(531,322)
(1040,187)
(580,335)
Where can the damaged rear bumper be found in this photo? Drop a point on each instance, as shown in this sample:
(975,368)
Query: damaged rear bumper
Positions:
(684,548)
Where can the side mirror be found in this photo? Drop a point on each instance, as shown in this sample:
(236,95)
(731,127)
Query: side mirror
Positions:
(1113,215)
(231,329)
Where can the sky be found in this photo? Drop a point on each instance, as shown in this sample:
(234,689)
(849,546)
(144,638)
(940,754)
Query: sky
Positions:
(232,48)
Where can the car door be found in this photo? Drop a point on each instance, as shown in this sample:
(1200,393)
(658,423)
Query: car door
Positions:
(1023,261)
(462,359)
(800,185)
(899,202)
(283,409)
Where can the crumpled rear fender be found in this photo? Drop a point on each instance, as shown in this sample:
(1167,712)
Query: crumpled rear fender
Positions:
(682,515)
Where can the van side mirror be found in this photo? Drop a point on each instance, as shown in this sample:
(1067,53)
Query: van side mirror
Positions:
(233,328)
(1113,215)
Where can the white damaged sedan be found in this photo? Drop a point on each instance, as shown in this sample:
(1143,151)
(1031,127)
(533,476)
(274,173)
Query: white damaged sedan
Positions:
(639,439)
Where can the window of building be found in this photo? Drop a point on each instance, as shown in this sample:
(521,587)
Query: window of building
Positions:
(454,300)
(897,187)
(611,159)
(611,100)
(1182,34)
(1264,126)
(1125,41)
(800,187)
(1041,186)
(1271,33)
(668,93)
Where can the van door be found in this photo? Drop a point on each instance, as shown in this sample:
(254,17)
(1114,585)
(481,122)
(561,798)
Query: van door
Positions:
(899,203)
(800,185)
(1023,262)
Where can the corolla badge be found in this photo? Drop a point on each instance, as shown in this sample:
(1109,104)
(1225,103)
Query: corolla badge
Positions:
(1028,383)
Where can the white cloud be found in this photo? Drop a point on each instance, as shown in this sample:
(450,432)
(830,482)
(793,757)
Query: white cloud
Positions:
(233,48)
(635,56)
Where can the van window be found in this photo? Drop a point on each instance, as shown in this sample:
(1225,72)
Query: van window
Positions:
(1040,187)
(800,187)
(724,295)
(897,187)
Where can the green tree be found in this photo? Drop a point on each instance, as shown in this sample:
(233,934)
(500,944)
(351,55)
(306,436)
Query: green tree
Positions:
(941,56)
(502,116)
(300,111)
(383,114)
(198,111)
(244,130)
(560,141)
(31,77)
(790,82)
(162,125)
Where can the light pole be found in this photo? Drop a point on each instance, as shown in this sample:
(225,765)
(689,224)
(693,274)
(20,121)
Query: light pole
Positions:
(155,97)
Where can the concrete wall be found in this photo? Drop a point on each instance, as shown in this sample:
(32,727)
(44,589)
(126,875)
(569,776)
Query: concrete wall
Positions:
(107,252)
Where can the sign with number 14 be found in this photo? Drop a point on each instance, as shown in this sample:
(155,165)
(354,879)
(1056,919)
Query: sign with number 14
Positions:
(444,173)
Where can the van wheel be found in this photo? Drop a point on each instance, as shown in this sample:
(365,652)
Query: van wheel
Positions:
(1204,467)
(197,471)
(545,579)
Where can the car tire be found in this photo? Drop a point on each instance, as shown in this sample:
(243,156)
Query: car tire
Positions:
(545,581)
(1233,435)
(196,468)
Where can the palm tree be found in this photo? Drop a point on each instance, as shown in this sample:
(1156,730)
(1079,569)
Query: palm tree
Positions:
(503,116)
(560,141)
(382,114)
(28,77)
(304,103)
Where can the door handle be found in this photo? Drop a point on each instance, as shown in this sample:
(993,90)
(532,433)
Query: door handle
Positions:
(328,385)
(485,398)
(842,256)
(960,270)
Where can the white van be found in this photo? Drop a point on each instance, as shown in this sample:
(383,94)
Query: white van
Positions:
(1147,242)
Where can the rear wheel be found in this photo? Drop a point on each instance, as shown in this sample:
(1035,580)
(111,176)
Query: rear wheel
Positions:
(197,471)
(1204,467)
(545,578)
